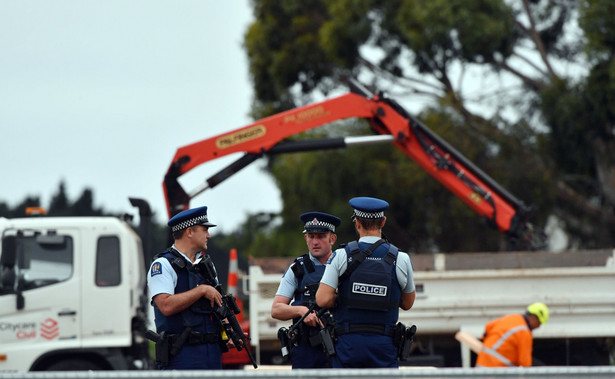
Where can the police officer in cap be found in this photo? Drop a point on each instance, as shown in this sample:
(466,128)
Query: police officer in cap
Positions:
(300,282)
(183,299)
(366,283)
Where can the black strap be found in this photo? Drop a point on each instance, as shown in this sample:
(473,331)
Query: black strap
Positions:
(196,338)
(390,258)
(357,258)
(303,260)
(307,262)
(178,262)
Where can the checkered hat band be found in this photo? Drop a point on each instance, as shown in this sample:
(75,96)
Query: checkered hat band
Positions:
(190,222)
(362,214)
(320,224)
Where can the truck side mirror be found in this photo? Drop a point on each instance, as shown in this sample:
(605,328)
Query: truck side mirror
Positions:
(7,279)
(9,282)
(7,265)
(9,251)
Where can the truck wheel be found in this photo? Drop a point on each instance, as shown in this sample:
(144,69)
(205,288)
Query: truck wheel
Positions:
(74,365)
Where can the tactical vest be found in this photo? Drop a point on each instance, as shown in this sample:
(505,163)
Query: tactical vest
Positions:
(199,315)
(308,275)
(371,293)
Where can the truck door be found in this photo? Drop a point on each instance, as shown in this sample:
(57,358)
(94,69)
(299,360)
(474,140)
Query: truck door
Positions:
(107,294)
(39,296)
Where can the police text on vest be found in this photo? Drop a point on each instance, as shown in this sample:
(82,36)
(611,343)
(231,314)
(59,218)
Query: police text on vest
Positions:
(369,289)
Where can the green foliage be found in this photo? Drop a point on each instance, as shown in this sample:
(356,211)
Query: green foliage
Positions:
(562,137)
(438,31)
(20,209)
(599,25)
(564,110)
(253,237)
(59,205)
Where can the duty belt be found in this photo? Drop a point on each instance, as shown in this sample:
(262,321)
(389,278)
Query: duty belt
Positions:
(384,330)
(197,338)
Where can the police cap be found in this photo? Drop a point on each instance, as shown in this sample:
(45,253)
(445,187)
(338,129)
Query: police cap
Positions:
(368,207)
(319,222)
(188,218)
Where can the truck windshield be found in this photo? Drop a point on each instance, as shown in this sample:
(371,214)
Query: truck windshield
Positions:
(43,261)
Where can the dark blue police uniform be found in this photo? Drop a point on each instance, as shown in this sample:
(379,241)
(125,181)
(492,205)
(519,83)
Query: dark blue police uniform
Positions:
(309,351)
(200,349)
(368,298)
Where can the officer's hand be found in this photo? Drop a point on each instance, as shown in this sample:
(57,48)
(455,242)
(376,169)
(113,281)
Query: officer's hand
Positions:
(312,319)
(212,294)
(231,344)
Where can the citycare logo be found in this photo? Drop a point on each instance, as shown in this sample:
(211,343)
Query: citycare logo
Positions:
(22,330)
(50,329)
(12,327)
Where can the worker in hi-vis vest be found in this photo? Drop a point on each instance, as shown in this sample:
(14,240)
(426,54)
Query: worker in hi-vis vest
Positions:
(508,340)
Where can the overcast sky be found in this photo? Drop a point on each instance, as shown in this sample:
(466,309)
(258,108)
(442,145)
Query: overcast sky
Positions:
(100,94)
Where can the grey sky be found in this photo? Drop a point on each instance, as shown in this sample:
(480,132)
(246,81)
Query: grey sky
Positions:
(101,94)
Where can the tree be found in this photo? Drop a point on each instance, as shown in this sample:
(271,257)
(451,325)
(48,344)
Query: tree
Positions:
(59,205)
(20,209)
(84,205)
(556,146)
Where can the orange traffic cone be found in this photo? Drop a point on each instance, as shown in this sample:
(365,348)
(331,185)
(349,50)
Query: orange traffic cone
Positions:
(232,281)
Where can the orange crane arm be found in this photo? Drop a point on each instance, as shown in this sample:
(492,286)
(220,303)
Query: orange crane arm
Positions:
(391,123)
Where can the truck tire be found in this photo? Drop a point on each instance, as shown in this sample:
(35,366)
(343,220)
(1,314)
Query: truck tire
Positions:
(74,364)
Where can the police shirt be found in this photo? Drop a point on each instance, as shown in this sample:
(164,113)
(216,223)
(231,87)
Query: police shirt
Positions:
(336,266)
(289,282)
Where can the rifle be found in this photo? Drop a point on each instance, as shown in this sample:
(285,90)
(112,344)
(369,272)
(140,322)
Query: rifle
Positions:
(290,336)
(227,310)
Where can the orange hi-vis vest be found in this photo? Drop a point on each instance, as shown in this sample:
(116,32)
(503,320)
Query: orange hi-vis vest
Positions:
(507,343)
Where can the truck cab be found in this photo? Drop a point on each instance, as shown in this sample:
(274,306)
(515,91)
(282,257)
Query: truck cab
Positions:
(71,295)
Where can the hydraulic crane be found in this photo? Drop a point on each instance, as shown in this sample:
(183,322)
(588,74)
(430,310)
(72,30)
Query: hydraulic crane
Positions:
(390,122)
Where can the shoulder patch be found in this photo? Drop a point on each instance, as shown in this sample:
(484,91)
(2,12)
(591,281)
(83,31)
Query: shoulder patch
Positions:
(156,269)
(331,257)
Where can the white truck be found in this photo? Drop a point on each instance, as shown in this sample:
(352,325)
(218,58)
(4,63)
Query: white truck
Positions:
(72,295)
(462,291)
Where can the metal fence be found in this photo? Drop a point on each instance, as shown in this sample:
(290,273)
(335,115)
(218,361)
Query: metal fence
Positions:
(281,372)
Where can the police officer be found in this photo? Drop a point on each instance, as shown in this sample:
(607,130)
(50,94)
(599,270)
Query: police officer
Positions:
(508,340)
(300,282)
(183,299)
(367,282)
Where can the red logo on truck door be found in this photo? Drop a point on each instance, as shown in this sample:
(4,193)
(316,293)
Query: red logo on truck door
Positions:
(50,329)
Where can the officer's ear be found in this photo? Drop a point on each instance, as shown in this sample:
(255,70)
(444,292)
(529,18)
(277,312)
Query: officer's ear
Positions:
(333,238)
(384,220)
(190,231)
(356,223)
